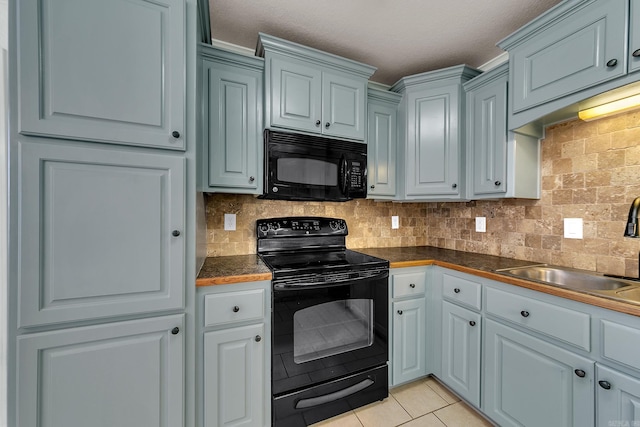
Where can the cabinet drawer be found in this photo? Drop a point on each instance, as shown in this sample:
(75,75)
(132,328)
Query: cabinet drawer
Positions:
(462,291)
(621,343)
(232,307)
(569,326)
(409,284)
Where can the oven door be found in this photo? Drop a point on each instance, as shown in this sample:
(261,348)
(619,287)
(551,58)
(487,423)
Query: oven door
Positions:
(322,332)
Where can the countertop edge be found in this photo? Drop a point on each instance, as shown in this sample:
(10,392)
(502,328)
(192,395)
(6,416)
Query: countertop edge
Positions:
(228,280)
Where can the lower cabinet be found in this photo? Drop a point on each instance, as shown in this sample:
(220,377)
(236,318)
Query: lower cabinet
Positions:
(234,357)
(617,398)
(529,382)
(461,351)
(125,374)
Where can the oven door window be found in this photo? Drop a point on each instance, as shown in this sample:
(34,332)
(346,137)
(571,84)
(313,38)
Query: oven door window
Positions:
(332,328)
(308,171)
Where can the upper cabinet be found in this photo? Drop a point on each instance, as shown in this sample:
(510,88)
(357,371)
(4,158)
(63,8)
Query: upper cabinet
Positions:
(312,91)
(431,135)
(575,51)
(382,143)
(230,145)
(105,71)
(498,163)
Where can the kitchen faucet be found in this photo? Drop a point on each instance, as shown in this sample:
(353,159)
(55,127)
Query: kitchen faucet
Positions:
(632,229)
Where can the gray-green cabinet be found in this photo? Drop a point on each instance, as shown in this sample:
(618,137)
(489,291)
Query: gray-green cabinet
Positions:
(101,231)
(617,398)
(382,143)
(312,91)
(101,71)
(431,137)
(230,143)
(408,325)
(126,374)
(531,382)
(233,360)
(634,37)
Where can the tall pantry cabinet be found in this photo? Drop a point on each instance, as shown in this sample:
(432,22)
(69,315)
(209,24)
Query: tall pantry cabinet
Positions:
(101,201)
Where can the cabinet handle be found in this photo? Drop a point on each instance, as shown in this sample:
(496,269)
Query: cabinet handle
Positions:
(251,179)
(236,309)
(175,331)
(258,338)
(456,290)
(454,185)
(605,385)
(636,53)
(318,123)
(400,312)
(580,373)
(373,186)
(472,323)
(524,313)
(175,134)
(175,233)
(327,125)
(498,183)
(412,285)
(612,63)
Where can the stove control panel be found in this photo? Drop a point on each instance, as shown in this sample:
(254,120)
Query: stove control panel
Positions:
(301,226)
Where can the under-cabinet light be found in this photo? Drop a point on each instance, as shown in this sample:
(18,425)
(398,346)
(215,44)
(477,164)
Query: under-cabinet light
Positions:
(610,108)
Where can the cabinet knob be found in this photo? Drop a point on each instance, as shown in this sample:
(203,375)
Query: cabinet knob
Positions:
(175,233)
(175,331)
(456,290)
(327,125)
(605,385)
(454,185)
(498,183)
(251,179)
(412,285)
(580,373)
(258,338)
(318,123)
(612,63)
(636,53)
(175,134)
(399,311)
(236,309)
(472,323)
(372,187)
(524,313)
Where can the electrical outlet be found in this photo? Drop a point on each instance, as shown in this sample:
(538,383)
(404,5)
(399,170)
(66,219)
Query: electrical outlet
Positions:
(230,222)
(395,222)
(481,224)
(573,228)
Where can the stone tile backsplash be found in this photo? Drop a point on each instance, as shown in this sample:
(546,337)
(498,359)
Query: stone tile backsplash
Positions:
(590,170)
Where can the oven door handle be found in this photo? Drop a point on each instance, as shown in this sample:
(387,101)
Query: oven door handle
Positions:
(317,285)
(331,397)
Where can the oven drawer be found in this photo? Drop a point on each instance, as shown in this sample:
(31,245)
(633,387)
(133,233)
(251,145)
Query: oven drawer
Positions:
(232,307)
(408,284)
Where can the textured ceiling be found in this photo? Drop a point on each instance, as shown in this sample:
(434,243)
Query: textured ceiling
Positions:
(400,37)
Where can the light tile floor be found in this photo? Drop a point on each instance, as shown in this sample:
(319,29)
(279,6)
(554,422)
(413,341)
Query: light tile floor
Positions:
(422,403)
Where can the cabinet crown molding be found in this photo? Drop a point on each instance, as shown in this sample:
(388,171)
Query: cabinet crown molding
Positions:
(455,74)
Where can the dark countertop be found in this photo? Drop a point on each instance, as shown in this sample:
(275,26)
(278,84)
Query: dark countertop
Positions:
(248,268)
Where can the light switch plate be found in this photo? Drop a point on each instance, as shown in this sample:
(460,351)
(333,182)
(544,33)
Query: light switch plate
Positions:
(573,228)
(230,222)
(481,224)
(395,222)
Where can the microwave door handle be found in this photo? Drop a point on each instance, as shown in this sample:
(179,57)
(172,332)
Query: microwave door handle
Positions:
(344,175)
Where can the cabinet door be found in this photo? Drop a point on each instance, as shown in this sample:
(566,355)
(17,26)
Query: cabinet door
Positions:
(617,398)
(101,232)
(233,125)
(296,95)
(487,113)
(576,53)
(634,37)
(408,359)
(234,376)
(381,150)
(343,106)
(107,71)
(432,155)
(529,382)
(125,374)
(461,351)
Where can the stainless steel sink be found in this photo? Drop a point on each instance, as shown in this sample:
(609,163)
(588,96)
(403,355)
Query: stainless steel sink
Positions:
(568,277)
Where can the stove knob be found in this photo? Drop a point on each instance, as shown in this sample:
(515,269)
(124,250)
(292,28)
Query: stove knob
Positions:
(264,228)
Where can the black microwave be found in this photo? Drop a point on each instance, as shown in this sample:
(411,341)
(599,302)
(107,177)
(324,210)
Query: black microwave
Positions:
(306,167)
